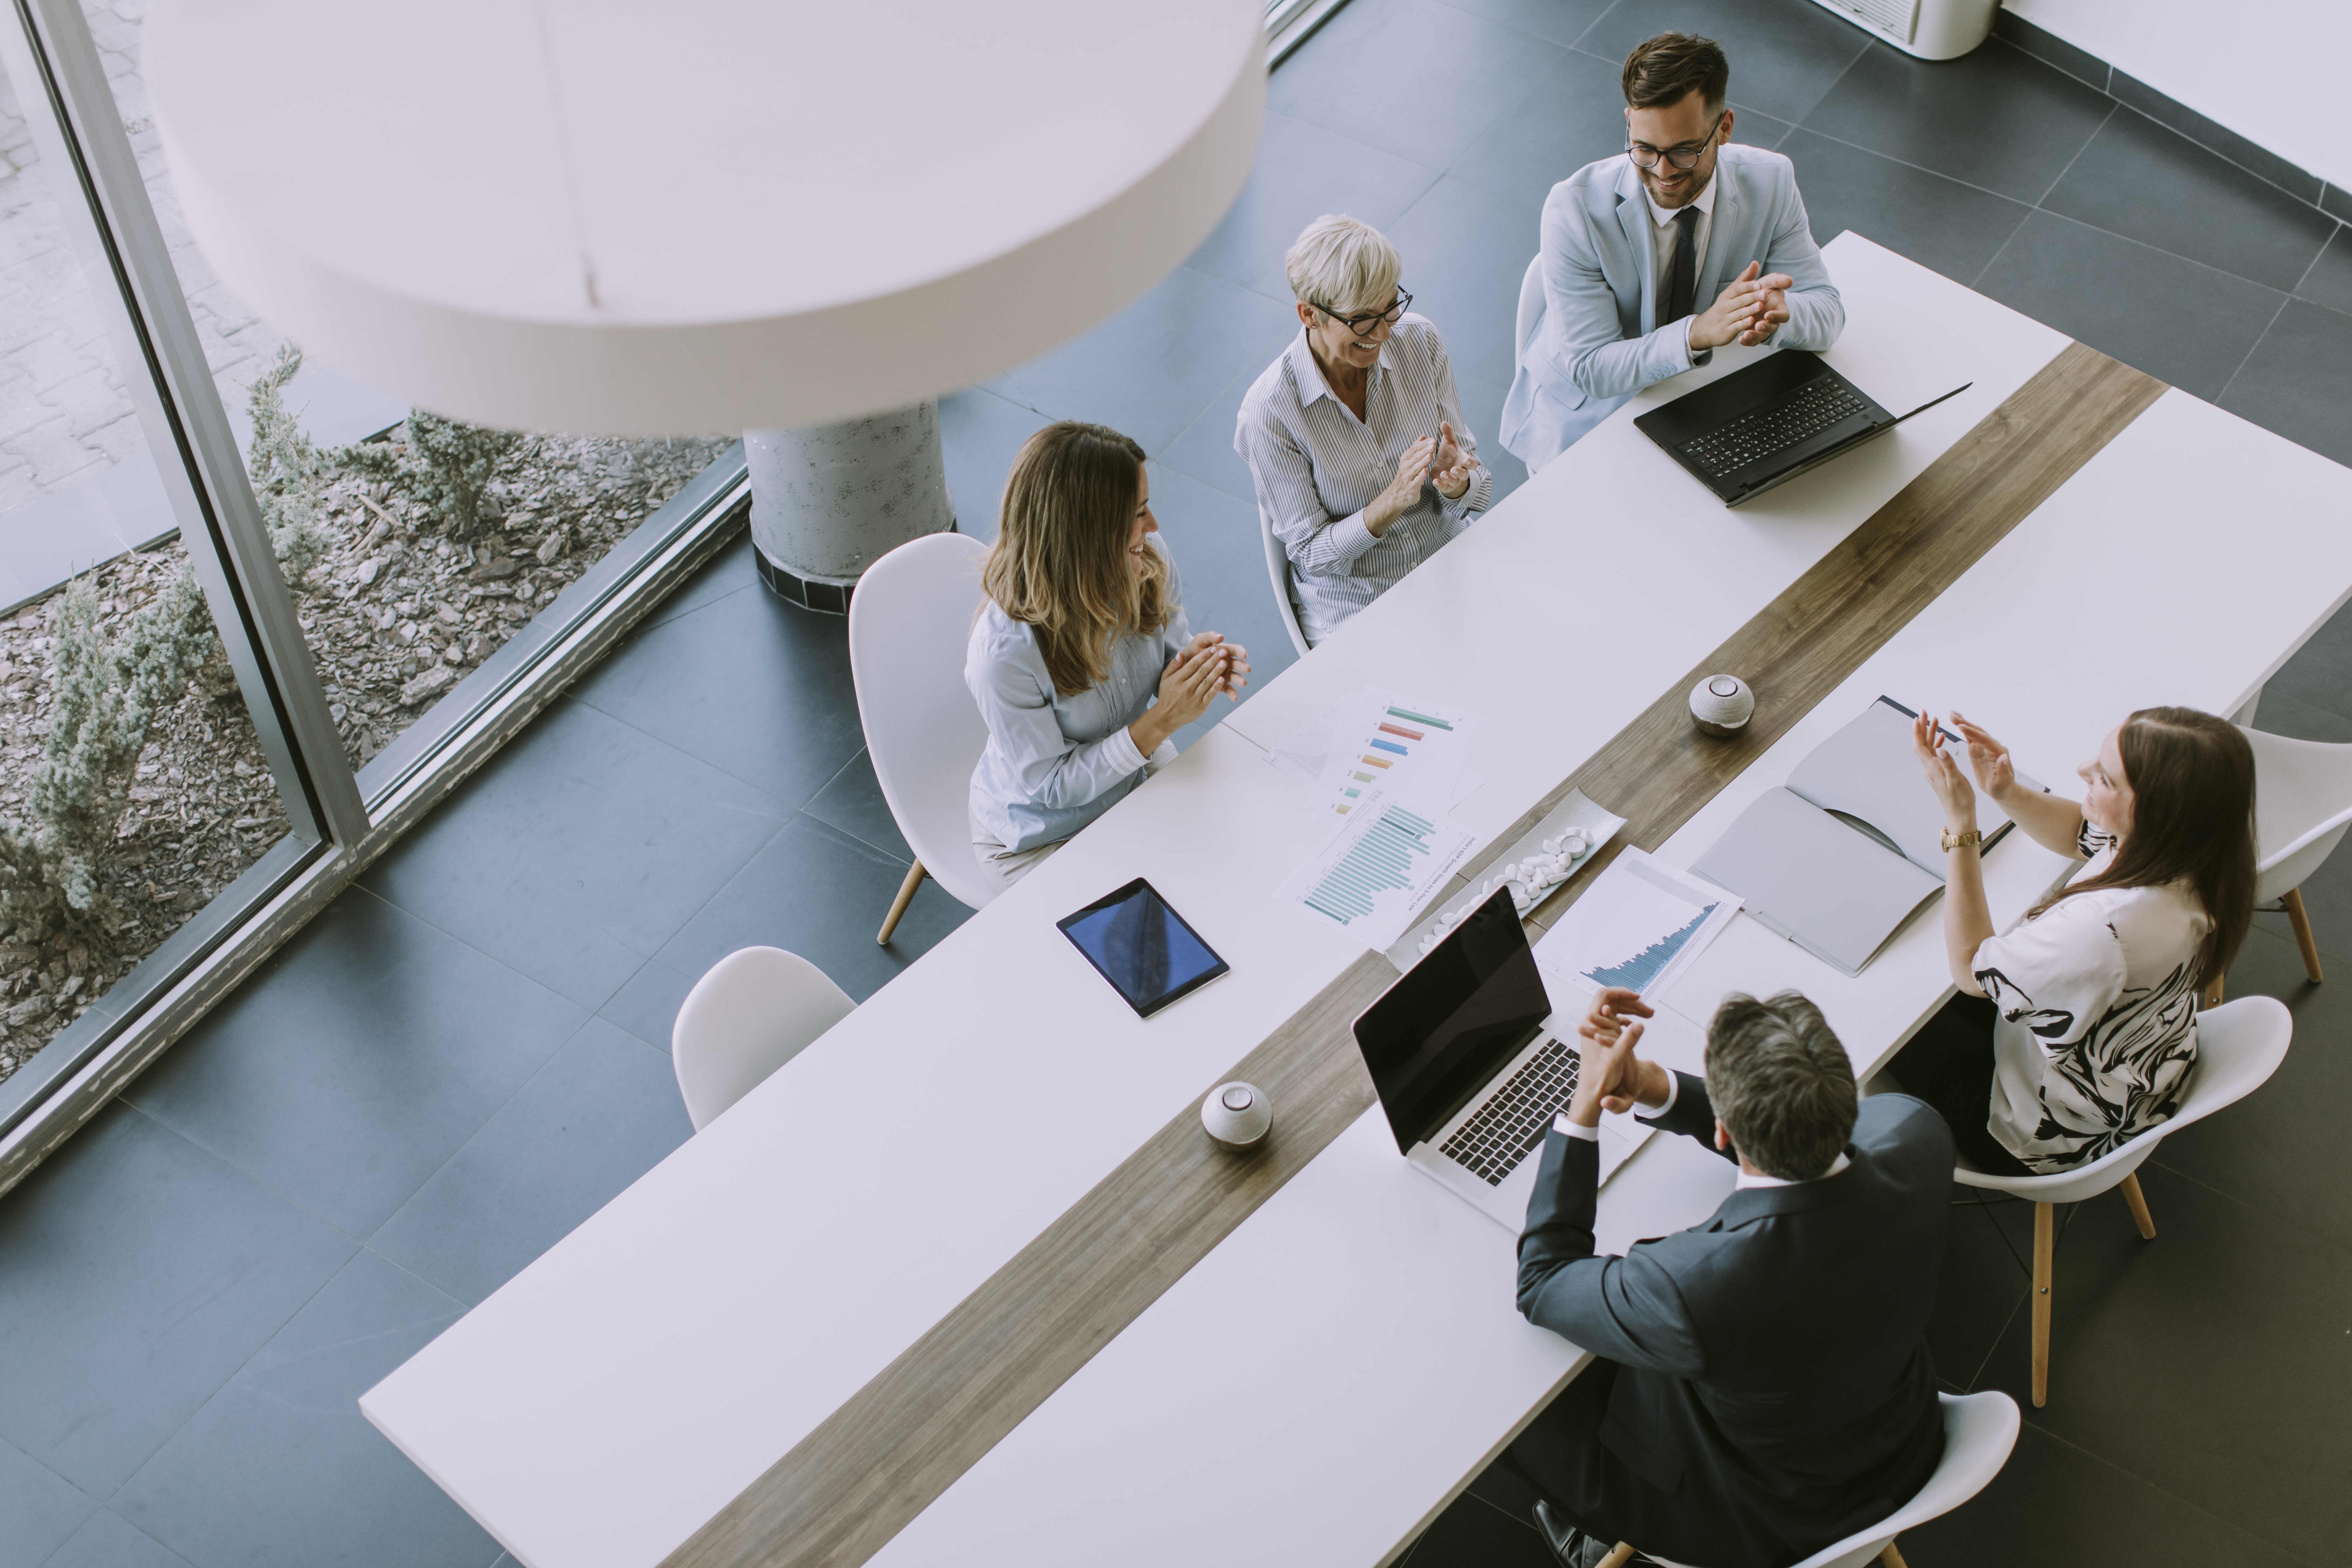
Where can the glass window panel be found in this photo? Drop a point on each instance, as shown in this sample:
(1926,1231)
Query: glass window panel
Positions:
(403,591)
(131,786)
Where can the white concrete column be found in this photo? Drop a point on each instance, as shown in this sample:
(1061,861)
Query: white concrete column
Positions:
(829,500)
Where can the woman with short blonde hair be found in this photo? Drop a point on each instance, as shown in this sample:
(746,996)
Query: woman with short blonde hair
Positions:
(1354,435)
(1080,657)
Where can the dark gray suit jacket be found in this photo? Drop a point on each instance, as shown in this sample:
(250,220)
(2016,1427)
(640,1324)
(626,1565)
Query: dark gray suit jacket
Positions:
(1777,1386)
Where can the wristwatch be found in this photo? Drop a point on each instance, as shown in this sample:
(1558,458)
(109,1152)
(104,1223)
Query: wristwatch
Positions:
(1967,840)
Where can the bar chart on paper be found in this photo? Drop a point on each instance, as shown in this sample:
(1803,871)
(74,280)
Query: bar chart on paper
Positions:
(1638,925)
(1378,868)
(1398,748)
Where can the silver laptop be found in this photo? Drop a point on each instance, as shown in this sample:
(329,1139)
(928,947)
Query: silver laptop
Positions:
(1471,1068)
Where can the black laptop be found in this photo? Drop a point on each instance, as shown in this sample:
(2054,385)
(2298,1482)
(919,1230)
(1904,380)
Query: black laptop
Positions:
(1765,424)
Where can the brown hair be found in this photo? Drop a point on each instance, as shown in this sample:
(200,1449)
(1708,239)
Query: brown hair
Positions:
(1660,71)
(2192,781)
(1060,563)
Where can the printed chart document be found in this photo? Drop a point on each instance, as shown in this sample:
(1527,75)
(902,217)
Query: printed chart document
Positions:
(1380,864)
(1639,925)
(1308,755)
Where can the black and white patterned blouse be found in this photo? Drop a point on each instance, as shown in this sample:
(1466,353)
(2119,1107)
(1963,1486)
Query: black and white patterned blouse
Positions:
(2097,1018)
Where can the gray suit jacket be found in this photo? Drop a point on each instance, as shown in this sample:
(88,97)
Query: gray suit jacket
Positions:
(1776,1390)
(1597,340)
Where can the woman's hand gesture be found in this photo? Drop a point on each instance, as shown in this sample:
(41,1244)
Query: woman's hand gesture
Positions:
(1404,490)
(1449,469)
(1944,777)
(1988,758)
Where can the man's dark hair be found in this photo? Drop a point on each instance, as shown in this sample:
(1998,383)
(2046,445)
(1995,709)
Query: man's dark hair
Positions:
(1660,71)
(1781,1083)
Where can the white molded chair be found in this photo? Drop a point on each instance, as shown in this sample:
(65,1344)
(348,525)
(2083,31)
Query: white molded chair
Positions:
(1277,567)
(2303,805)
(2239,1046)
(909,622)
(1979,1429)
(757,1009)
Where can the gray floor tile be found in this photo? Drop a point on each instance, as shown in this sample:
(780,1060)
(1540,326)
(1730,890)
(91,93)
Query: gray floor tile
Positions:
(1214,541)
(1995,118)
(1475,1533)
(2329,281)
(2055,1506)
(2327,905)
(2298,381)
(281,1470)
(1560,22)
(1939,223)
(1981,1286)
(602,1113)
(1785,54)
(2207,1363)
(647,1004)
(1303,171)
(710,683)
(106,1541)
(1465,251)
(1149,370)
(2183,324)
(1572,115)
(729,572)
(2153,185)
(818,892)
(852,801)
(1463,71)
(137,1274)
(1205,451)
(979,435)
(360,1059)
(2278,1150)
(2319,675)
(2286,714)
(39,1508)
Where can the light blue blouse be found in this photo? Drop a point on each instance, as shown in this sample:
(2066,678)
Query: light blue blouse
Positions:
(1054,762)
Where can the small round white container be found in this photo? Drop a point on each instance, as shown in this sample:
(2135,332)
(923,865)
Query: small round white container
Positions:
(1237,1115)
(1722,705)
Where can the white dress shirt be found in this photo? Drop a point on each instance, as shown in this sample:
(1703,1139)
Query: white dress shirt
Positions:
(1317,466)
(1661,252)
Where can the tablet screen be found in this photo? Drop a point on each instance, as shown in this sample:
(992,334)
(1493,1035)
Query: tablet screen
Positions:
(1142,947)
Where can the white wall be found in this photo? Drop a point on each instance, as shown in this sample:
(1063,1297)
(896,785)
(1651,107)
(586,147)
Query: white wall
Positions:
(2268,70)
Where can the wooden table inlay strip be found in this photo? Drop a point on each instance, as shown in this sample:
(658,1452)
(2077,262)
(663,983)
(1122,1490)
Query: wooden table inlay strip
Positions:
(904,1439)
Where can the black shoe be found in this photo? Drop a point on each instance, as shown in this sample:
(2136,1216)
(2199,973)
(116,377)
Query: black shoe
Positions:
(1567,1542)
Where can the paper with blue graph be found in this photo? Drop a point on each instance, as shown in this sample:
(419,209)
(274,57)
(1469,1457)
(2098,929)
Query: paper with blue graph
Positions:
(1377,868)
(1639,925)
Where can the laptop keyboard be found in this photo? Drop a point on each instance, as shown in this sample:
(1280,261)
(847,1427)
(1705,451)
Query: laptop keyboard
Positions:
(1804,413)
(1491,1144)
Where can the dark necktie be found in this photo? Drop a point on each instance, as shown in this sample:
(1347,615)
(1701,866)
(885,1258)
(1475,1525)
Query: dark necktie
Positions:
(1685,282)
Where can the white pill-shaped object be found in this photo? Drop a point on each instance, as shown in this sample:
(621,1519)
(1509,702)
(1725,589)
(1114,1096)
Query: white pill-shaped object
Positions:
(1237,1115)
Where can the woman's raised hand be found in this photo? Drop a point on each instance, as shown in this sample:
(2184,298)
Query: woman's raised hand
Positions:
(1988,758)
(1190,679)
(1944,775)
(1449,470)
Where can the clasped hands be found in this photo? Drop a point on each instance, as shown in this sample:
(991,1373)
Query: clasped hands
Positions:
(1609,1076)
(1750,310)
(1436,459)
(1204,667)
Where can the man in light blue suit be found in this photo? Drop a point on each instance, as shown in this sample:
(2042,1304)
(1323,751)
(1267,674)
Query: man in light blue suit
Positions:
(1650,260)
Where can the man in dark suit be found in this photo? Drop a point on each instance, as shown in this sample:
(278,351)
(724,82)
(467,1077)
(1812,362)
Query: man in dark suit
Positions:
(1763,1386)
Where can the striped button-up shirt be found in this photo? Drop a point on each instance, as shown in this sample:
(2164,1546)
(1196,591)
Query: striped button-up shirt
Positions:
(1317,466)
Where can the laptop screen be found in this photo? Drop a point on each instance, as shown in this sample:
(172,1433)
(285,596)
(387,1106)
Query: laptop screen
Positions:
(1454,1021)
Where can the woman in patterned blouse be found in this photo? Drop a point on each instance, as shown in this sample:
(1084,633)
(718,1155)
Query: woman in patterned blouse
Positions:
(2075,1031)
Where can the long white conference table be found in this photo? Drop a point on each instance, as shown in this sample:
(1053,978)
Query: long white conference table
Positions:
(1321,1382)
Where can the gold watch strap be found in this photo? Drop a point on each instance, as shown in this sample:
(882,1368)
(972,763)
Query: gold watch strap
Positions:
(1967,840)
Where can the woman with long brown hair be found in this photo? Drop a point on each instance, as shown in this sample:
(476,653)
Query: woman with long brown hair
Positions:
(1080,658)
(2075,1030)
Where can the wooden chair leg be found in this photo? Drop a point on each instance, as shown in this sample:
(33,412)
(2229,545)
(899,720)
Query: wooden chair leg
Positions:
(915,874)
(1892,1558)
(2139,1201)
(1619,1557)
(2045,1248)
(2301,924)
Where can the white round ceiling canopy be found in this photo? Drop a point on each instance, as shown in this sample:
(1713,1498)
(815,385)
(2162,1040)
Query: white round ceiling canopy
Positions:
(698,214)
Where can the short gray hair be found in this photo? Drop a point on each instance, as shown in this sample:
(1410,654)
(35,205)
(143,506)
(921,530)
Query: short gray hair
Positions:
(1781,1083)
(1339,266)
